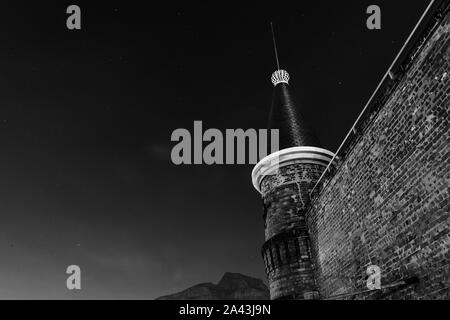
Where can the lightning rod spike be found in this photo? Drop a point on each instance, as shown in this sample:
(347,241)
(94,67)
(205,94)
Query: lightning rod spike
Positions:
(275,45)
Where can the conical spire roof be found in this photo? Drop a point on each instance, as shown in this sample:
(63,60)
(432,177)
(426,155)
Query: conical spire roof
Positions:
(286,116)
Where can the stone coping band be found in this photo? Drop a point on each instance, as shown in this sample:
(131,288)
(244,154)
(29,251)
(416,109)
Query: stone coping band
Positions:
(276,160)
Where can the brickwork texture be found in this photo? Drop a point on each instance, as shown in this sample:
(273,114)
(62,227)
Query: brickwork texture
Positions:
(387,203)
(287,251)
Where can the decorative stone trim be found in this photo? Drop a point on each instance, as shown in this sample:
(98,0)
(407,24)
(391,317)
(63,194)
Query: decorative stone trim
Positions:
(270,164)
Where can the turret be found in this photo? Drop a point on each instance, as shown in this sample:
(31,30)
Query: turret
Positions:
(285,180)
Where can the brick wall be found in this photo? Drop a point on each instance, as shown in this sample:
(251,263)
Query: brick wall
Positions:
(388,201)
(287,250)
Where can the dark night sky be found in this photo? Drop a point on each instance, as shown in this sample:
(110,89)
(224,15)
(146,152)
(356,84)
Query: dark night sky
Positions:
(86,118)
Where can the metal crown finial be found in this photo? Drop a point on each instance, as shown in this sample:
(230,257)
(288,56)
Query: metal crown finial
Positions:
(280,76)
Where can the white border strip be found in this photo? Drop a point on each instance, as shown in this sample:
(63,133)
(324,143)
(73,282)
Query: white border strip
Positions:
(269,164)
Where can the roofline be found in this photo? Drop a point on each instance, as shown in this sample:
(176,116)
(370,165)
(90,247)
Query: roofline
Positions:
(407,51)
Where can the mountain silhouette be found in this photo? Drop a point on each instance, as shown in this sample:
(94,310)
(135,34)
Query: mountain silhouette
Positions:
(232,286)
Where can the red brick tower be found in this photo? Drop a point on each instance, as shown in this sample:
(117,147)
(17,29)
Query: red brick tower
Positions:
(285,179)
